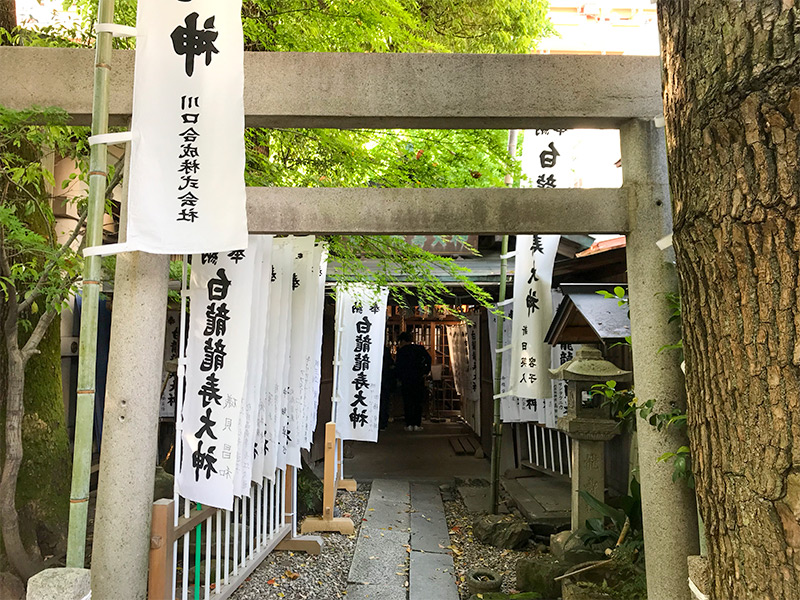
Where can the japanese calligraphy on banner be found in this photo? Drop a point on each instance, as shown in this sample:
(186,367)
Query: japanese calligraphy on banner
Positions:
(187,192)
(533,311)
(318,274)
(362,331)
(561,353)
(474,356)
(221,293)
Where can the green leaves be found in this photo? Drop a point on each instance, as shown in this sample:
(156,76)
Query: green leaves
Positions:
(681,465)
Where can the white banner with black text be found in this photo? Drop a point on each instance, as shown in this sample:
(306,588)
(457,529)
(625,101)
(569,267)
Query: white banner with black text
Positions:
(362,327)
(187,191)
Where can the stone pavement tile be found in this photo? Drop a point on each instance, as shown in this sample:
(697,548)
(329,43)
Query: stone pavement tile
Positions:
(431,577)
(428,524)
(359,591)
(388,506)
(379,557)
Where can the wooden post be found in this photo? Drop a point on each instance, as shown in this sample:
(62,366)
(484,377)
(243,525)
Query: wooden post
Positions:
(159,578)
(348,485)
(327,522)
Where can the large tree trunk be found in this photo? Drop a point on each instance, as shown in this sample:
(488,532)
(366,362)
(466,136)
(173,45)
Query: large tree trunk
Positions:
(732,107)
(8,14)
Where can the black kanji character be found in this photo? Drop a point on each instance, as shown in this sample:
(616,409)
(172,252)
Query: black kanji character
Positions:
(361,362)
(359,399)
(209,391)
(363,343)
(187,214)
(532,302)
(217,318)
(295,281)
(363,326)
(361,381)
(236,255)
(214,355)
(218,287)
(374,309)
(533,276)
(209,258)
(357,309)
(188,199)
(546,181)
(548,157)
(358,418)
(203,461)
(207,424)
(191,42)
(536,245)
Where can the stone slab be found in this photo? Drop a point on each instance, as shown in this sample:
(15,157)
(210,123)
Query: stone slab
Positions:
(426,210)
(429,531)
(358,591)
(476,499)
(59,584)
(553,494)
(527,501)
(387,507)
(378,558)
(431,576)
(330,89)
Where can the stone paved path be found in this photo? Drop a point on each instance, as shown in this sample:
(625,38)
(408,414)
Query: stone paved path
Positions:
(401,551)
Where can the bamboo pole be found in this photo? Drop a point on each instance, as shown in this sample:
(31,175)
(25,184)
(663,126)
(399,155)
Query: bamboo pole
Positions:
(497,426)
(87,352)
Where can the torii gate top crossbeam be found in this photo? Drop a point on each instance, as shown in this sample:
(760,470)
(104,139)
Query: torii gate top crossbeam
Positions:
(441,91)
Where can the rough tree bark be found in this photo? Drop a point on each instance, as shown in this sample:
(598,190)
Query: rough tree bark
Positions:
(732,108)
(8,14)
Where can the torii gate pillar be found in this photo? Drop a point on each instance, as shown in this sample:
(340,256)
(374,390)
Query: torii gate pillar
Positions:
(669,510)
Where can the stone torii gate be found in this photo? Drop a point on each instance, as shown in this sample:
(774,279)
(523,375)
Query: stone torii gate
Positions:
(443,91)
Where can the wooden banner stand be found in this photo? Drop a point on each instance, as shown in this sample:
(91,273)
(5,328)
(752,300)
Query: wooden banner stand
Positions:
(305,543)
(327,522)
(348,485)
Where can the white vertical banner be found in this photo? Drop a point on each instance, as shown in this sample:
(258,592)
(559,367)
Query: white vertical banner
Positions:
(362,329)
(303,288)
(457,343)
(169,398)
(508,403)
(474,356)
(187,192)
(319,274)
(256,368)
(248,416)
(277,351)
(216,363)
(533,312)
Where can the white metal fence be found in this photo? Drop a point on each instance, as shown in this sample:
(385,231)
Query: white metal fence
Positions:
(544,448)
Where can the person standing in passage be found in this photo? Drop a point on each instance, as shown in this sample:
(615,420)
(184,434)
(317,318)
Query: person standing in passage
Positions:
(387,385)
(412,363)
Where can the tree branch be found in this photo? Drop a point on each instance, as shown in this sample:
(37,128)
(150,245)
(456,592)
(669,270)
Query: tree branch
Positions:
(51,264)
(31,347)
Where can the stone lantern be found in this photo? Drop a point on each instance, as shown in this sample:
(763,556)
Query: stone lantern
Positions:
(588,424)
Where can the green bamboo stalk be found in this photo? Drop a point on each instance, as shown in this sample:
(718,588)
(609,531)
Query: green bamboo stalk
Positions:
(87,350)
(497,426)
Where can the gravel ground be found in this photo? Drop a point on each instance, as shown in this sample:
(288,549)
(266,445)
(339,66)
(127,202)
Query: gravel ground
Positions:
(469,553)
(299,576)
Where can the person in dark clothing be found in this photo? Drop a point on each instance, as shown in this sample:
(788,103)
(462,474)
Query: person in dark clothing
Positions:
(412,363)
(387,385)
